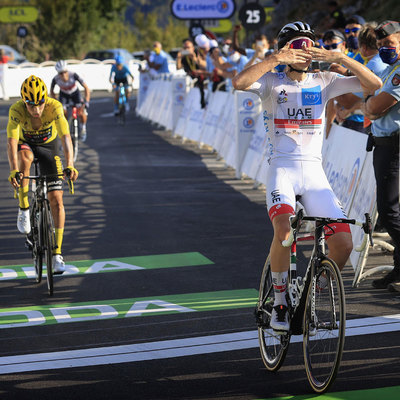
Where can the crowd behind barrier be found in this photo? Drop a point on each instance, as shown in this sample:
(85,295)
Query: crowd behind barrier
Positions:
(232,125)
(95,73)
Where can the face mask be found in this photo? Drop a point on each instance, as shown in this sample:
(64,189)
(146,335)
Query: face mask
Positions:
(352,42)
(260,43)
(280,67)
(336,50)
(225,48)
(235,57)
(157,50)
(388,55)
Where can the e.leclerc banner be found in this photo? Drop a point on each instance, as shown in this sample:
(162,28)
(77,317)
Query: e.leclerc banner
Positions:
(203,9)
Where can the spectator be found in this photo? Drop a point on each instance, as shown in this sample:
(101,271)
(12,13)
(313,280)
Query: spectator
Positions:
(351,31)
(4,59)
(188,59)
(368,49)
(383,109)
(158,59)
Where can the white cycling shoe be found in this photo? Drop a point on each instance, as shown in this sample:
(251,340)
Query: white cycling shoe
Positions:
(58,264)
(280,319)
(24,221)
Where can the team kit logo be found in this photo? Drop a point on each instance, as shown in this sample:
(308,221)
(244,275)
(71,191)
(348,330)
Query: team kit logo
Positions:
(311,96)
(282,97)
(396,80)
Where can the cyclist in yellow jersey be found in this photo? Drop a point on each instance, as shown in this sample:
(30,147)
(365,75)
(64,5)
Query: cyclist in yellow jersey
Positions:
(34,125)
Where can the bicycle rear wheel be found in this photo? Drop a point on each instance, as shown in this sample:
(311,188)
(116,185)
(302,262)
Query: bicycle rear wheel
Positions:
(121,114)
(49,244)
(324,326)
(273,346)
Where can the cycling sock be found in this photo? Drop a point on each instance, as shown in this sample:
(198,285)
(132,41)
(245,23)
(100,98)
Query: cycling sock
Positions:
(23,197)
(279,280)
(59,239)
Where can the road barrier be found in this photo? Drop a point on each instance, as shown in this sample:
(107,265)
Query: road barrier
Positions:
(232,124)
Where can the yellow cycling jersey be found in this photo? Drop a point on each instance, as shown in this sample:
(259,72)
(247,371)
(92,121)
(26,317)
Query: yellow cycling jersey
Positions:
(53,122)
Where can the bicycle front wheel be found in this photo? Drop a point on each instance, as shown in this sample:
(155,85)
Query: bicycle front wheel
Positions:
(273,346)
(49,244)
(121,114)
(36,239)
(74,129)
(324,326)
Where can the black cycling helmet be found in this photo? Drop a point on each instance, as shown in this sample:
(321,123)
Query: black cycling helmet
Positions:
(292,30)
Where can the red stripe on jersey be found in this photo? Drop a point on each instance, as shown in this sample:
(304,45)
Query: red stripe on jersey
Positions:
(291,122)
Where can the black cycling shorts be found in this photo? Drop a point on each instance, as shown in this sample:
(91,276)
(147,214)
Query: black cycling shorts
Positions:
(49,161)
(124,81)
(75,98)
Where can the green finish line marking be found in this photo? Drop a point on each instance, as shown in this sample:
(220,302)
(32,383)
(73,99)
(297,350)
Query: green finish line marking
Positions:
(387,393)
(113,265)
(125,308)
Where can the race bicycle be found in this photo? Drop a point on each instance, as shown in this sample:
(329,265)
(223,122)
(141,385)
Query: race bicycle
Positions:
(316,303)
(75,127)
(41,239)
(122,103)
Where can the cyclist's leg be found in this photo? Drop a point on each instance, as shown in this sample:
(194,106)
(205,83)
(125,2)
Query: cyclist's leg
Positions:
(281,202)
(77,100)
(63,98)
(25,159)
(320,200)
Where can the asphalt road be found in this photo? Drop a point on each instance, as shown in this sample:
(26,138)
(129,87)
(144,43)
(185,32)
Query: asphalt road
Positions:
(164,249)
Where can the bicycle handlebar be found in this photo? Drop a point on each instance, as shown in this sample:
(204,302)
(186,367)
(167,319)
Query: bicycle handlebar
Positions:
(296,220)
(44,177)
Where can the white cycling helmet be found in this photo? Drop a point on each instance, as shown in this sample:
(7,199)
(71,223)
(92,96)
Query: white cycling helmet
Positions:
(61,66)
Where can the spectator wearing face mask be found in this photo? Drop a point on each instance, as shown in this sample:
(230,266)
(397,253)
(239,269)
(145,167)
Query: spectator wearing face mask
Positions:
(383,109)
(351,31)
(158,59)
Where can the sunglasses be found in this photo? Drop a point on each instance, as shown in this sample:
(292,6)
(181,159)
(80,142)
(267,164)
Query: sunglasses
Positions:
(332,46)
(32,103)
(354,30)
(298,43)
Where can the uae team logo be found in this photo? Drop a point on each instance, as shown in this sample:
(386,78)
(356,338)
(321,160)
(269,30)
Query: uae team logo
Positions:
(248,104)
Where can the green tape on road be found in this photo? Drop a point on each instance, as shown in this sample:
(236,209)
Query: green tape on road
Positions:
(113,265)
(388,393)
(126,308)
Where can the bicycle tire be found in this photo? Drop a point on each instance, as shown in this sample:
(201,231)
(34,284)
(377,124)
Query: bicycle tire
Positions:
(324,335)
(121,114)
(74,131)
(273,346)
(37,251)
(48,241)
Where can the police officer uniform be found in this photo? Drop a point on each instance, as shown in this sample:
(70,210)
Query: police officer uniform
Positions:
(385,140)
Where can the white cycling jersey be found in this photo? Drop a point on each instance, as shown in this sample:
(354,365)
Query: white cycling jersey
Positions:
(294,112)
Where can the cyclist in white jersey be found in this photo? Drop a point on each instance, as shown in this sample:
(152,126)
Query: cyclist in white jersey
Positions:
(293,104)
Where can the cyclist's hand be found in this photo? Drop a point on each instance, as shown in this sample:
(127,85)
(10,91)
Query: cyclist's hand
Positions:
(71,173)
(15,178)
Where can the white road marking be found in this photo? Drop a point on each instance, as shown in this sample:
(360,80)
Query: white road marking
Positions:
(171,348)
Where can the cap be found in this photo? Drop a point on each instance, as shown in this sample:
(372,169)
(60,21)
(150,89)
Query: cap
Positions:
(356,19)
(333,33)
(386,28)
(202,41)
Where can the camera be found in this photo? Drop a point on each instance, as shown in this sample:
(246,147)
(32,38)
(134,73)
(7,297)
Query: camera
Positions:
(320,65)
(185,52)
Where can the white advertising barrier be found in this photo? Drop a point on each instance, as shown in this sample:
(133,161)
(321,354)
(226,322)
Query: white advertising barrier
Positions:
(144,83)
(160,102)
(224,122)
(192,97)
(145,107)
(247,107)
(95,73)
(216,103)
(180,85)
(257,152)
(195,119)
(344,161)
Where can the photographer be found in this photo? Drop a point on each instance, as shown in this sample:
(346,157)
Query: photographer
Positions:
(194,66)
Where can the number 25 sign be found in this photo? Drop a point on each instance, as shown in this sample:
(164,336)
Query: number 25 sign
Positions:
(252,16)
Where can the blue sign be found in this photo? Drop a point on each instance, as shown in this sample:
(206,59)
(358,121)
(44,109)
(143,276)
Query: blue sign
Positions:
(311,96)
(203,9)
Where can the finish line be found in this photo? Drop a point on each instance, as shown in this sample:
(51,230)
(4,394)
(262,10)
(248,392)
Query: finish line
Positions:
(171,348)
